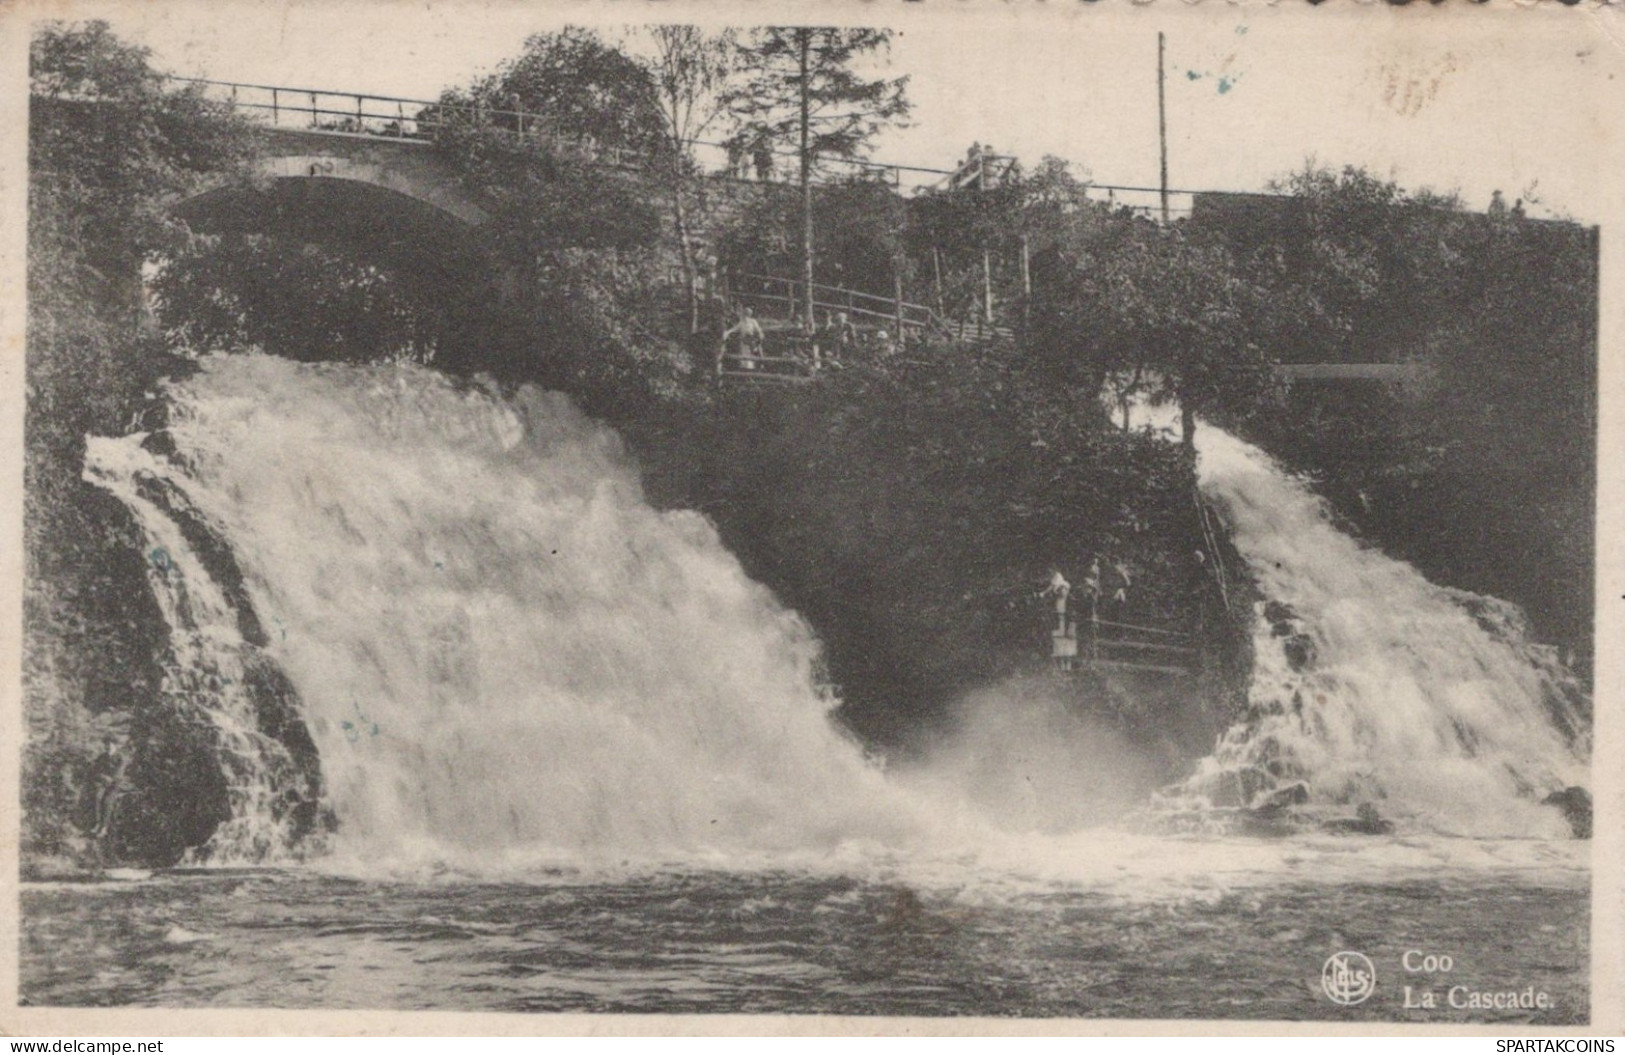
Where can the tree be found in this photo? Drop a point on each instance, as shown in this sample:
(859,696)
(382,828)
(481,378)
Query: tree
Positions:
(690,70)
(1168,312)
(1480,470)
(570,85)
(234,291)
(972,239)
(862,250)
(799,88)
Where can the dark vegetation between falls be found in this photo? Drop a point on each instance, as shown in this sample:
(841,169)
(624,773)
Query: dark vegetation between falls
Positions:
(912,504)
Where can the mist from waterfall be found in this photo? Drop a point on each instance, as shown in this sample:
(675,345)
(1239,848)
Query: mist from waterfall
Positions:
(507,659)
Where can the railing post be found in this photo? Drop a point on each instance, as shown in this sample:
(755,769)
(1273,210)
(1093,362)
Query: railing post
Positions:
(400,119)
(359,127)
(897,299)
(276,112)
(315,122)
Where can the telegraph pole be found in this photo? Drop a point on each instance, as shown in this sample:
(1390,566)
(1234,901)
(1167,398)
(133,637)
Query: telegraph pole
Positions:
(1162,126)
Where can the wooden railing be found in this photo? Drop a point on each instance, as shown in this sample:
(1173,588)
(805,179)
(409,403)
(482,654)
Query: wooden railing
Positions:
(1124,646)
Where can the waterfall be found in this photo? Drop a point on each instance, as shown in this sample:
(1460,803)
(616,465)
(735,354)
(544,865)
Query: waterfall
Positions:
(1373,685)
(422,621)
(497,645)
(216,674)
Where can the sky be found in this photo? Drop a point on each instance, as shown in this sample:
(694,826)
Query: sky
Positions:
(1508,99)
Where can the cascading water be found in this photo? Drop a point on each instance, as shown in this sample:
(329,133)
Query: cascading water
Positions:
(504,656)
(499,647)
(436,634)
(1371,684)
(217,676)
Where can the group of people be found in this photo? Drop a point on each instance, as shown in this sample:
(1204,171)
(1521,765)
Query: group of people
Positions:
(831,340)
(1111,584)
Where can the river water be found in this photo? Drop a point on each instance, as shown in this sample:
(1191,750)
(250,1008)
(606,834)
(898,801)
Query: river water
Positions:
(577,760)
(799,942)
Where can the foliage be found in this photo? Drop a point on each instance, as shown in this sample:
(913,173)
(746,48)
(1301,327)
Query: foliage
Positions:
(544,194)
(913,512)
(540,140)
(233,291)
(1165,310)
(608,323)
(690,70)
(571,86)
(798,87)
(1482,471)
(952,232)
(863,220)
(118,144)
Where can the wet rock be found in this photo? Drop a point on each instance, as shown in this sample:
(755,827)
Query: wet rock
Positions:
(1281,618)
(1300,651)
(1575,802)
(1235,788)
(1280,798)
(1366,821)
(161,443)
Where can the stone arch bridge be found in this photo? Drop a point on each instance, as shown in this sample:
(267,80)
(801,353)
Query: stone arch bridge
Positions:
(362,171)
(394,198)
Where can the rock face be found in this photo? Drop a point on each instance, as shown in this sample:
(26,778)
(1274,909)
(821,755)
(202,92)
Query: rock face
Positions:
(1575,802)
(125,762)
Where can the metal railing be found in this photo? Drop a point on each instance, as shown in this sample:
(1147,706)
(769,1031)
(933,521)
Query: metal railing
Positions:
(341,112)
(1104,644)
(395,117)
(786,297)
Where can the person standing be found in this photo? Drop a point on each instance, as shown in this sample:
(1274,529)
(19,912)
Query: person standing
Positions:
(1060,589)
(750,336)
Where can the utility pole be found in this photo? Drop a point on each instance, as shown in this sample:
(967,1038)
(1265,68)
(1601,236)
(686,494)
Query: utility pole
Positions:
(1026,281)
(804,44)
(1162,126)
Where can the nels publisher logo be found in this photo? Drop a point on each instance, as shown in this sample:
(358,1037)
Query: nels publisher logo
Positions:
(1348,978)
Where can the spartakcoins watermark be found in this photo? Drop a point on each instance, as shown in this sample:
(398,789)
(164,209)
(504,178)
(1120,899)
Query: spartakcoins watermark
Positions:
(1350,978)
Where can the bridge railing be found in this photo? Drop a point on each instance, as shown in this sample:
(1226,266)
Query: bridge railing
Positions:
(397,117)
(393,117)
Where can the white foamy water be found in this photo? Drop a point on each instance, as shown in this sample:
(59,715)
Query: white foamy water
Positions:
(508,659)
(501,648)
(1428,702)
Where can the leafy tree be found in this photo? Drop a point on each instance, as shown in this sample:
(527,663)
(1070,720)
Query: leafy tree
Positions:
(798,87)
(690,70)
(862,250)
(1169,311)
(1481,470)
(955,233)
(231,291)
(570,85)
